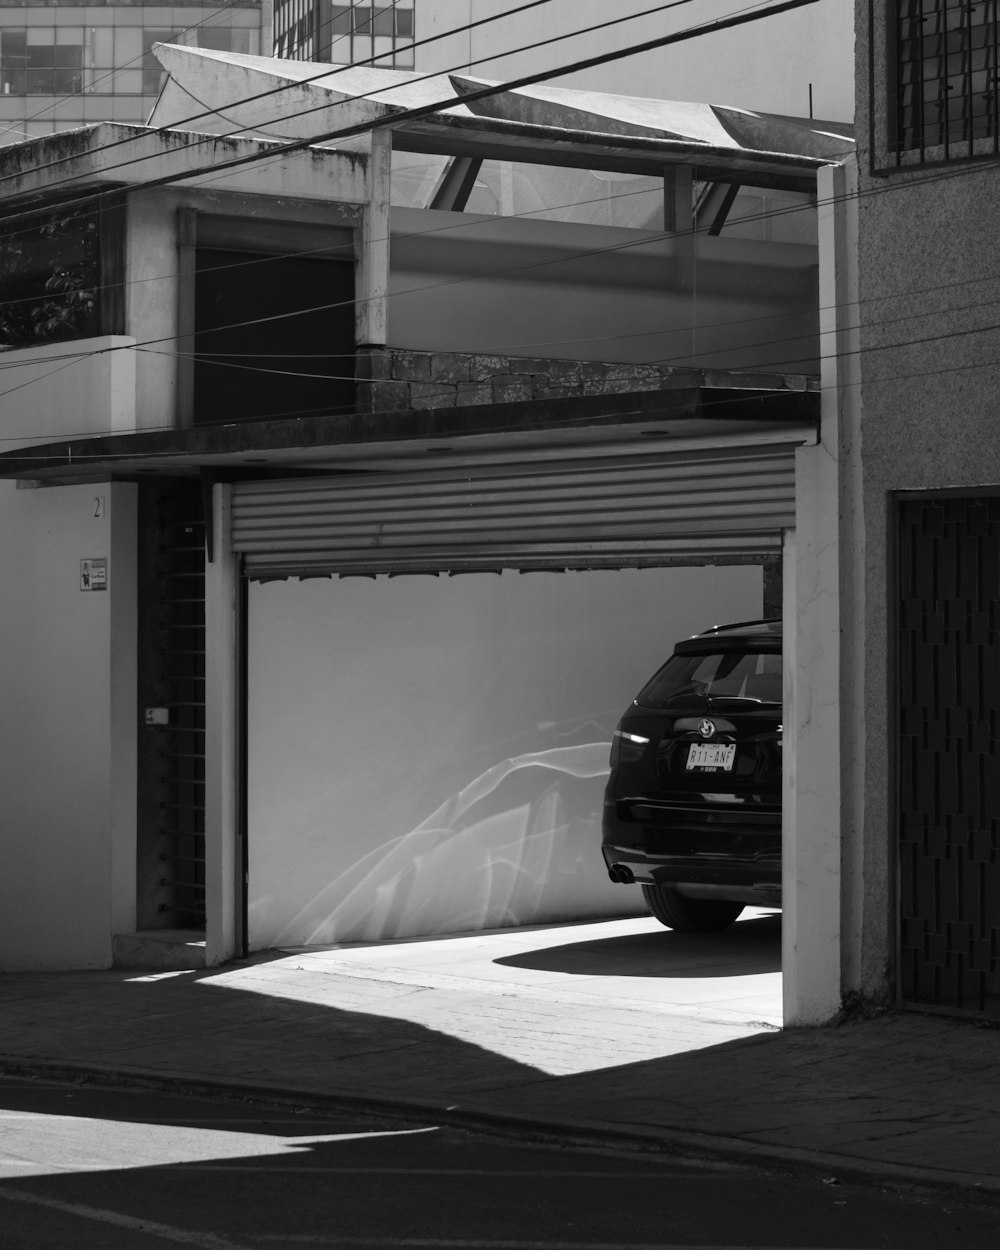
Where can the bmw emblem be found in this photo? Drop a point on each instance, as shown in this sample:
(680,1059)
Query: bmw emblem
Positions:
(706,728)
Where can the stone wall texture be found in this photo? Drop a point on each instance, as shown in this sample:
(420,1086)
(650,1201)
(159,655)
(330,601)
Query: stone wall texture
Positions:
(394,380)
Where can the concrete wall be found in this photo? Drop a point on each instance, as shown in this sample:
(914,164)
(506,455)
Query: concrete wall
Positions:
(767,65)
(462,283)
(429,754)
(152,305)
(57,390)
(67,726)
(929,280)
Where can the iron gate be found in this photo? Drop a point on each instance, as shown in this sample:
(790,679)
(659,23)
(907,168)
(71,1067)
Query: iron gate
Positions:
(949,753)
(171,825)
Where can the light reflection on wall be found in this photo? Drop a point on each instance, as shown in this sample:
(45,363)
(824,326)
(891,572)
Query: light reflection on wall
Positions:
(428,755)
(504,865)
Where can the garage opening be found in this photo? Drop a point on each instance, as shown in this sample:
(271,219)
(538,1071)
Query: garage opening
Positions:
(428,754)
(437,661)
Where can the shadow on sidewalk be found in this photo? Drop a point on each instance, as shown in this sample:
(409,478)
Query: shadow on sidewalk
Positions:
(900,1089)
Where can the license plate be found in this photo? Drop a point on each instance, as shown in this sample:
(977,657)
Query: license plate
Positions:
(712,756)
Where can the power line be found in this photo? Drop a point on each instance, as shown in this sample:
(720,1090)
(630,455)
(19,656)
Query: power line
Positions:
(647,238)
(325,74)
(837,355)
(72,95)
(415,113)
(630,244)
(674,38)
(698,327)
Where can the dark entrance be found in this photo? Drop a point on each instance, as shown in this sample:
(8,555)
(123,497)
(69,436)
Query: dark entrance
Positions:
(171,813)
(949,753)
(274,336)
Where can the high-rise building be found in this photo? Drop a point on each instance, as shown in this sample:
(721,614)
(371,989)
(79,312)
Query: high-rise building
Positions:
(316,30)
(64,65)
(798,62)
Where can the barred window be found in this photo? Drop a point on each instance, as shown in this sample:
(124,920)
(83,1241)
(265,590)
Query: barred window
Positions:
(946,72)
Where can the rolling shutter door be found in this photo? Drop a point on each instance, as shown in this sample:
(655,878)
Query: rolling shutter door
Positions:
(608,512)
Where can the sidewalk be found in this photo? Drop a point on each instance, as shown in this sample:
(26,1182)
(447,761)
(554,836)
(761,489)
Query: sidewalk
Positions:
(608,1032)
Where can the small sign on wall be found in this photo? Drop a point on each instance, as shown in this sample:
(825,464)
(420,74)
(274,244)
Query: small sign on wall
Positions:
(94,574)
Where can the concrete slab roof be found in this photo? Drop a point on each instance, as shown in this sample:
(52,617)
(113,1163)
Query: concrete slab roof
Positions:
(112,154)
(706,413)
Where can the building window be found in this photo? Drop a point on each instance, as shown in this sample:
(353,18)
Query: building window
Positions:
(41,60)
(108,59)
(50,279)
(946,74)
(344,34)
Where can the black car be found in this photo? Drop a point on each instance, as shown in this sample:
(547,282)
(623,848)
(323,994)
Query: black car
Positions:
(692,809)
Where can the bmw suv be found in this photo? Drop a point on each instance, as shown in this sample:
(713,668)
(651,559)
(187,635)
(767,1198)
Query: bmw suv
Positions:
(692,809)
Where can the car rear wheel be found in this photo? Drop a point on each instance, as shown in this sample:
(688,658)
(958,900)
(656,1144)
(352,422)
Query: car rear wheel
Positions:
(689,915)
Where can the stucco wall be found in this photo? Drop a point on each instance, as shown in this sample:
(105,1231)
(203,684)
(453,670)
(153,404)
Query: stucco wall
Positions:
(73,389)
(929,281)
(67,726)
(429,754)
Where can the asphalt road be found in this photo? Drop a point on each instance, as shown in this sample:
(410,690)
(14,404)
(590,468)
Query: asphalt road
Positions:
(83,1166)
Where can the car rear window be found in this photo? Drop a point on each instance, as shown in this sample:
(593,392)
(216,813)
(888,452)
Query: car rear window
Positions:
(719,674)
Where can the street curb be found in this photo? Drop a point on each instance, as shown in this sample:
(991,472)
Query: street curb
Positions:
(588,1134)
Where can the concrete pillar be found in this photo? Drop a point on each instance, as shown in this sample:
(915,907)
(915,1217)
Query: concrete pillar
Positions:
(120,502)
(222,858)
(372,282)
(818,807)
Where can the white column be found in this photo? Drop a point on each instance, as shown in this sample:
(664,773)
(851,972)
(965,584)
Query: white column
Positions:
(222,860)
(819,704)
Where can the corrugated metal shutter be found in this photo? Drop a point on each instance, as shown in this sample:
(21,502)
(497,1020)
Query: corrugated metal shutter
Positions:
(608,512)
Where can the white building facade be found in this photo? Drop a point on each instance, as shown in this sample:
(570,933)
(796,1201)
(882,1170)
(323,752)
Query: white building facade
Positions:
(283,753)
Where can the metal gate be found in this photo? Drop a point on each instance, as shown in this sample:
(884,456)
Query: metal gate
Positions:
(949,753)
(656,507)
(171,816)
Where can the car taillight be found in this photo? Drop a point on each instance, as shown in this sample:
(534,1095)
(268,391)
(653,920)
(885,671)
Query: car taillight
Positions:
(627,747)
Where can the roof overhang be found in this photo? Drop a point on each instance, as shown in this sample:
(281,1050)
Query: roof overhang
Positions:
(685,418)
(111,155)
(458,115)
(490,139)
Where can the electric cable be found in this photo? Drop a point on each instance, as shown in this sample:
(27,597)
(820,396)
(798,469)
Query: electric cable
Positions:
(72,95)
(838,355)
(281,148)
(534,345)
(331,71)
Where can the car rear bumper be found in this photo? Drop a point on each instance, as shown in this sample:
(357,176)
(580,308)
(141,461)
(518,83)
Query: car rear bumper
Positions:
(697,847)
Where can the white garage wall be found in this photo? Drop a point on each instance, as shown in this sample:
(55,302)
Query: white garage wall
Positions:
(428,755)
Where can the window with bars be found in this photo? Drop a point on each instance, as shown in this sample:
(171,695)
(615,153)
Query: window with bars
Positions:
(946,75)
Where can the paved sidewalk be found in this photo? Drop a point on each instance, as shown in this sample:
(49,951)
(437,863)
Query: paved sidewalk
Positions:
(612,1032)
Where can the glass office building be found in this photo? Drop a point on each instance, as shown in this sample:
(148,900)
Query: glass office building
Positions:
(66,65)
(316,30)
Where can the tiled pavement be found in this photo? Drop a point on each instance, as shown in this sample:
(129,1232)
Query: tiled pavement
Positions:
(614,1032)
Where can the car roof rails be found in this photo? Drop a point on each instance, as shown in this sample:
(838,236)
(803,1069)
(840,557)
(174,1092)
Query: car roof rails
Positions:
(768,620)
